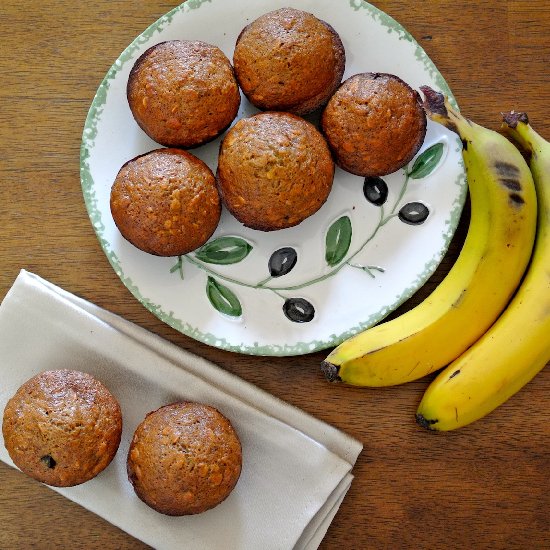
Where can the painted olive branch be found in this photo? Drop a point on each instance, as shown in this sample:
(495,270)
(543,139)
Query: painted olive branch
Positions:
(262,285)
(228,250)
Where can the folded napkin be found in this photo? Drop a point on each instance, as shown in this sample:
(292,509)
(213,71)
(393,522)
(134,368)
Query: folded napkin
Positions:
(296,469)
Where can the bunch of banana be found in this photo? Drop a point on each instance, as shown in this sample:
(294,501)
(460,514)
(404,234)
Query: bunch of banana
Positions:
(479,285)
(517,346)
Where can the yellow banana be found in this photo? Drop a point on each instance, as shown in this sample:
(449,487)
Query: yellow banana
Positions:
(480,283)
(517,346)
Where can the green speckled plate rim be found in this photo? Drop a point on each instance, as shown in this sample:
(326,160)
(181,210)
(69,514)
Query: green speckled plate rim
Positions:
(90,132)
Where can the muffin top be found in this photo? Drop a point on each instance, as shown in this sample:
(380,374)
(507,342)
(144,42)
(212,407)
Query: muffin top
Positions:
(183,93)
(185,458)
(274,170)
(62,427)
(288,60)
(374,124)
(165,202)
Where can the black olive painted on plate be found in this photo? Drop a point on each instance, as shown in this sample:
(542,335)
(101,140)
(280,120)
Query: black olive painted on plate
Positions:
(282,261)
(414,213)
(298,310)
(375,190)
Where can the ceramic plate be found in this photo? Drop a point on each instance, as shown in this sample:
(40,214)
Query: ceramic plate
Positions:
(306,288)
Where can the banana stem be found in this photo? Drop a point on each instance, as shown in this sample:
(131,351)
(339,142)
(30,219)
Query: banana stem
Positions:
(512,118)
(439,109)
(516,127)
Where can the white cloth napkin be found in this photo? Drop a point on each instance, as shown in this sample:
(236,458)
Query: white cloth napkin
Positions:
(296,469)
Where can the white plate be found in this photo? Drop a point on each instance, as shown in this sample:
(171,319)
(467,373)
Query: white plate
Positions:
(387,260)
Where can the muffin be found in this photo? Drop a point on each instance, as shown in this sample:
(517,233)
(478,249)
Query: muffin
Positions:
(165,202)
(185,458)
(274,170)
(62,427)
(183,93)
(374,124)
(288,60)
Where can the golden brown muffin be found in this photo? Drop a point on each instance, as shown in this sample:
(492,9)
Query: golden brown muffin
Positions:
(62,427)
(374,124)
(166,202)
(288,60)
(183,93)
(274,170)
(185,458)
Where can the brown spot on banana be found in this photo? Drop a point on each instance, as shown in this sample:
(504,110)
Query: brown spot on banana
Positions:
(454,373)
(516,200)
(507,170)
(460,298)
(414,368)
(511,183)
(452,126)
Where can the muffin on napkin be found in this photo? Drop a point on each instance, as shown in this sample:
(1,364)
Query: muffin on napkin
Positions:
(297,468)
(62,427)
(185,458)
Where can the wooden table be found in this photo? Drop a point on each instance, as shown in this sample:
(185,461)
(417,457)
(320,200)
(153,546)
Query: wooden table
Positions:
(485,486)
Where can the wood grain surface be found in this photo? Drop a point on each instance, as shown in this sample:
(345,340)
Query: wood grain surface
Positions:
(485,486)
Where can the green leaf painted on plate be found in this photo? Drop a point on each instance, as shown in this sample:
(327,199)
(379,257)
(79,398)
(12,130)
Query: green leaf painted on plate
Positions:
(426,162)
(223,299)
(338,240)
(178,267)
(224,251)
